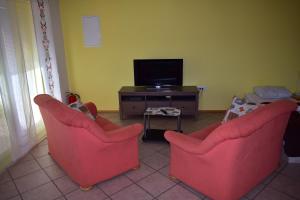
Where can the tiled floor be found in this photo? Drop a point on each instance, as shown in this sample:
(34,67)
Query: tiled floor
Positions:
(38,177)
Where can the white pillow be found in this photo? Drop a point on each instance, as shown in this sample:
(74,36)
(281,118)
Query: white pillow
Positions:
(82,108)
(238,108)
(272,92)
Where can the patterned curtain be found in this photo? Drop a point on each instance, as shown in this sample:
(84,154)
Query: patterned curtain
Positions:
(45,43)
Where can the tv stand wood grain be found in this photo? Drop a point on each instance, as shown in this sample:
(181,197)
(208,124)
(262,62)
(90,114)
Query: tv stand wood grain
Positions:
(134,100)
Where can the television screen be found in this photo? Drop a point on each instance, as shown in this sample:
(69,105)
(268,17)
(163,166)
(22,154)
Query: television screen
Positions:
(158,72)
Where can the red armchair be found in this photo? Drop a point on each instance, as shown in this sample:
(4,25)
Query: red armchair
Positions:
(225,161)
(89,151)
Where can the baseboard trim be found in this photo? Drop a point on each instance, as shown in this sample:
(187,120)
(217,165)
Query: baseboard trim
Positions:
(200,111)
(108,111)
(212,111)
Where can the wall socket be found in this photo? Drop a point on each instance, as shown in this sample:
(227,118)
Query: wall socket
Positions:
(201,87)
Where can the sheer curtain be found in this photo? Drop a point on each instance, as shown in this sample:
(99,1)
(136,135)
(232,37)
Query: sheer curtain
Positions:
(23,75)
(4,135)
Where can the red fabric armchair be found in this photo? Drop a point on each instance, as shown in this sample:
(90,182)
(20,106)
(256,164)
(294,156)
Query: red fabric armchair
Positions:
(89,151)
(225,161)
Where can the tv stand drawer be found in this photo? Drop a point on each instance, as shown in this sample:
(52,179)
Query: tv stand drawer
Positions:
(186,107)
(133,107)
(154,104)
(134,100)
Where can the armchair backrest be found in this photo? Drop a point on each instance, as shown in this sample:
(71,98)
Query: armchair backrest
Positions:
(59,112)
(274,115)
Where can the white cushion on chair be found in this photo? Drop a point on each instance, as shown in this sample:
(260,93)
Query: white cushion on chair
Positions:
(272,92)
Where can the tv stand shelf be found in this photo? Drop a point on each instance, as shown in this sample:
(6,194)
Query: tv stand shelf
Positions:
(134,100)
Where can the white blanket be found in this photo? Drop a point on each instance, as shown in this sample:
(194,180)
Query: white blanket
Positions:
(253,98)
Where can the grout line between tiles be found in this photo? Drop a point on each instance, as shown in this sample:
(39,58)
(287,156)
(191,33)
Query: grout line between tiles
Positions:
(96,185)
(293,197)
(136,182)
(260,191)
(140,178)
(14,184)
(296,180)
(62,194)
(26,173)
(167,190)
(144,190)
(104,192)
(269,185)
(277,173)
(155,171)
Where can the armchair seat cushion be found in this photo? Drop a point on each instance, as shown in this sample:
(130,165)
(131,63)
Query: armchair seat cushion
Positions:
(105,124)
(202,134)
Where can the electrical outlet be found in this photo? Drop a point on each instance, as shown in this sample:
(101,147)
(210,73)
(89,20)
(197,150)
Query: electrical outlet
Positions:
(201,87)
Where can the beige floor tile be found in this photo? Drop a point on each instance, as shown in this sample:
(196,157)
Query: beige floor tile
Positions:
(45,161)
(156,183)
(178,193)
(165,151)
(195,192)
(286,185)
(166,172)
(255,191)
(23,168)
(44,142)
(94,194)
(115,184)
(271,194)
(61,198)
(155,146)
(292,171)
(145,151)
(25,158)
(268,180)
(31,181)
(156,161)
(16,198)
(140,173)
(65,184)
(40,151)
(54,172)
(4,177)
(8,190)
(132,192)
(47,191)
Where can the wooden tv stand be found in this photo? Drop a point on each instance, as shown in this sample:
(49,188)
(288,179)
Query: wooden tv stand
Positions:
(134,100)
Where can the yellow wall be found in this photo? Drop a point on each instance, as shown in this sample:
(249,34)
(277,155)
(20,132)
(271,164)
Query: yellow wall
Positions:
(229,46)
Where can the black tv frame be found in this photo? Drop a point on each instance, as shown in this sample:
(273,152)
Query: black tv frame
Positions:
(158,73)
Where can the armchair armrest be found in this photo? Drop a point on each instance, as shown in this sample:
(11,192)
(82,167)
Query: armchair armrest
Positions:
(92,108)
(124,133)
(185,142)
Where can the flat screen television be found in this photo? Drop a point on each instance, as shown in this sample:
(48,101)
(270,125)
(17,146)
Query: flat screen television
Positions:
(158,72)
